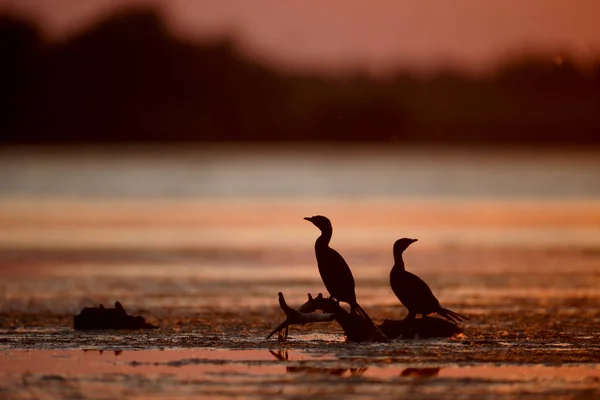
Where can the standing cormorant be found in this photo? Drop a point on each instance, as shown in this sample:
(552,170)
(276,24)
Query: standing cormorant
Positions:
(412,291)
(334,270)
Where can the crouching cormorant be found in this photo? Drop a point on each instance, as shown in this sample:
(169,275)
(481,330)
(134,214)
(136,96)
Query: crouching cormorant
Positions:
(334,270)
(412,291)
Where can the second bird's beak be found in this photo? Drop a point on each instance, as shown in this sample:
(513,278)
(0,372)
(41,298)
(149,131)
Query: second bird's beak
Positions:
(414,240)
(308,219)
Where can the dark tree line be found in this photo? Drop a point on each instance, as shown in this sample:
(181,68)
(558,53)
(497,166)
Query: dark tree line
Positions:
(129,79)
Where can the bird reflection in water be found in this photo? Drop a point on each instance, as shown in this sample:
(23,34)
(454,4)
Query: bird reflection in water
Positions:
(282,355)
(420,372)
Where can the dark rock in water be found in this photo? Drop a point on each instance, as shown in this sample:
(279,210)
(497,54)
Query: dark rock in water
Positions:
(427,327)
(108,318)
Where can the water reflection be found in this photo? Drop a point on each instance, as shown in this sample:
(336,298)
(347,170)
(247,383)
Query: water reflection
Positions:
(258,373)
(282,355)
(420,372)
(101,351)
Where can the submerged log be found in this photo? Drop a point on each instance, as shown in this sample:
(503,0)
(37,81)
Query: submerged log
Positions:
(359,329)
(108,318)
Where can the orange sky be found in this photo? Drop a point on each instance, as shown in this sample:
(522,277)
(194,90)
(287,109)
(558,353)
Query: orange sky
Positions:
(373,34)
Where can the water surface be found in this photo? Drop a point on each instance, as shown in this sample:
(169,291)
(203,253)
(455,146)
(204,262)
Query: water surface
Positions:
(200,240)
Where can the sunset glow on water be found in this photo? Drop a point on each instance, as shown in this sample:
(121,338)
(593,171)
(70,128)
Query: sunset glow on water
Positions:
(204,263)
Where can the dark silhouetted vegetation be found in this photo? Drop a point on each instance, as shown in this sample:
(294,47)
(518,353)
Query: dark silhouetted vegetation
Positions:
(94,318)
(128,78)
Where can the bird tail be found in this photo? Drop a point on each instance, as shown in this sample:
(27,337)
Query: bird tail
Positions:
(452,316)
(359,310)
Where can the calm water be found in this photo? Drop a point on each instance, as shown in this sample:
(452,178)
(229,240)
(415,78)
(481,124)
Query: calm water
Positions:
(200,240)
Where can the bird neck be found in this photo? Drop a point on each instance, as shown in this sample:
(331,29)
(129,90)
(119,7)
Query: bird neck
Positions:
(398,262)
(325,238)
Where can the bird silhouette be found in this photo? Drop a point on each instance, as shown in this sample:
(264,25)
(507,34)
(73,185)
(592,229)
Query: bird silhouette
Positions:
(412,291)
(334,270)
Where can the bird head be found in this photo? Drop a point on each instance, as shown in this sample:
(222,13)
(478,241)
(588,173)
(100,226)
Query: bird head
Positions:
(402,244)
(321,222)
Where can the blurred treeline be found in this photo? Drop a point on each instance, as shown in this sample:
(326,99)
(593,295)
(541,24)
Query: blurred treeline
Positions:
(129,79)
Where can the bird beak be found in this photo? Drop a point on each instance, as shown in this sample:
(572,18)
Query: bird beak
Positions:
(308,219)
(414,240)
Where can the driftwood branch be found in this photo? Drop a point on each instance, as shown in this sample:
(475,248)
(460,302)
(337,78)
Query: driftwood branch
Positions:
(358,328)
(300,317)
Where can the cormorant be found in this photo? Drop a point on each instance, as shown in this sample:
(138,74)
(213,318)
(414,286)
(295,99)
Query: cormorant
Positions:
(412,291)
(334,270)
